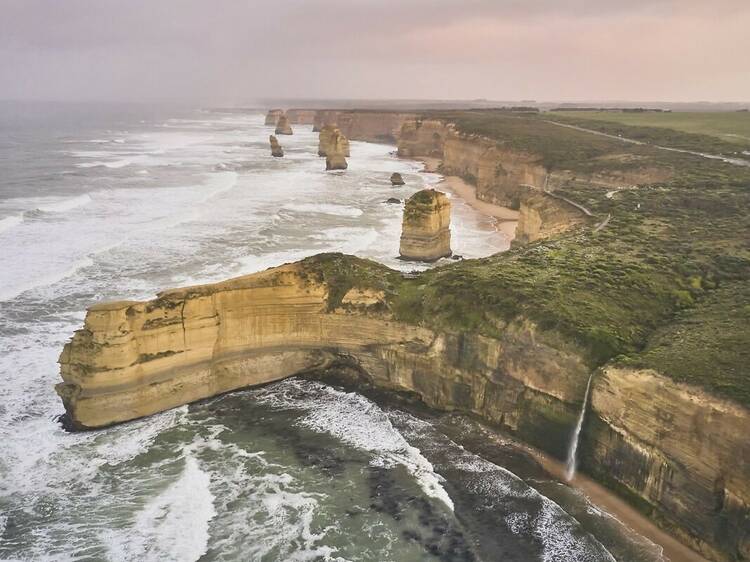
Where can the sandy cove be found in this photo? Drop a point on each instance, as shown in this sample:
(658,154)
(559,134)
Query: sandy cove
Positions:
(506,219)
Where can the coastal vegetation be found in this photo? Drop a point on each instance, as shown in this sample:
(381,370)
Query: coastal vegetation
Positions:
(674,256)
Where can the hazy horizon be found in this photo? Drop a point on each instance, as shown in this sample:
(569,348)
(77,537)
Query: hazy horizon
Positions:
(190,51)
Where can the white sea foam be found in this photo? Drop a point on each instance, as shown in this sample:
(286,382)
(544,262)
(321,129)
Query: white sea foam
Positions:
(7,223)
(113,164)
(66,204)
(8,293)
(359,422)
(324,208)
(174,525)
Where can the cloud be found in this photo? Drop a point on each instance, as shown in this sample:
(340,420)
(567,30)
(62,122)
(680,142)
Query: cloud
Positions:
(503,49)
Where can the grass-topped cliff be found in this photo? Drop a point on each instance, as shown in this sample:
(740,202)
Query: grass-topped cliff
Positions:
(666,279)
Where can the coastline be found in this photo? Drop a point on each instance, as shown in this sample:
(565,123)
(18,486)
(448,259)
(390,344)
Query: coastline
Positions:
(672,549)
(506,219)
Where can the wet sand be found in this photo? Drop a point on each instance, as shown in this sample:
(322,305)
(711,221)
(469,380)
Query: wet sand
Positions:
(506,219)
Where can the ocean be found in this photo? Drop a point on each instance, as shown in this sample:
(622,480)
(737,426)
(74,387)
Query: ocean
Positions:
(105,202)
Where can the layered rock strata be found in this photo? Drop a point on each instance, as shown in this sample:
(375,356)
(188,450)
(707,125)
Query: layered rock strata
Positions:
(425,232)
(283,127)
(272,117)
(542,216)
(327,139)
(678,453)
(336,151)
(276,149)
(370,126)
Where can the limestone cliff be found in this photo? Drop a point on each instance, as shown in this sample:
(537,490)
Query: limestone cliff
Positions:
(329,135)
(678,452)
(283,127)
(542,216)
(370,126)
(272,117)
(276,149)
(132,359)
(301,116)
(336,149)
(682,453)
(425,232)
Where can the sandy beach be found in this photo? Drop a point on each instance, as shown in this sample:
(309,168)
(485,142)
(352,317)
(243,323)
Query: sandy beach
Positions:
(506,219)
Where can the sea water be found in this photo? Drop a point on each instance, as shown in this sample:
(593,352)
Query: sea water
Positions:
(119,202)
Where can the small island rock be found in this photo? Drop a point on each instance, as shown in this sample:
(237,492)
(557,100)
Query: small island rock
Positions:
(283,127)
(276,149)
(425,233)
(396,179)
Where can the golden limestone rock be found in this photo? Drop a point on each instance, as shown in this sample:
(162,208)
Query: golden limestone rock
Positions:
(283,127)
(425,234)
(301,116)
(396,179)
(327,138)
(336,151)
(276,149)
(272,117)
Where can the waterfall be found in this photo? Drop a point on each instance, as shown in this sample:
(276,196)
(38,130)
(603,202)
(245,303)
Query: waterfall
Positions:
(570,467)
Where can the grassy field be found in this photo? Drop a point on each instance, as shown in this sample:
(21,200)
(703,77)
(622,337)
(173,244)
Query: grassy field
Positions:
(661,283)
(732,128)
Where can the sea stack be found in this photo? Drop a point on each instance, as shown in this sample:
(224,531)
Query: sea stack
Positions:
(425,234)
(396,179)
(276,149)
(282,126)
(336,151)
(272,117)
(326,140)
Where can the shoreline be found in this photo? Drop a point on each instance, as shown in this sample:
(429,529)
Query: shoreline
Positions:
(506,219)
(672,549)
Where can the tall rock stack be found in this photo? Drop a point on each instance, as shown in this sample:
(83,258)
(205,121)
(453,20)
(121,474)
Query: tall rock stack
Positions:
(272,117)
(425,234)
(336,151)
(276,149)
(282,126)
(326,139)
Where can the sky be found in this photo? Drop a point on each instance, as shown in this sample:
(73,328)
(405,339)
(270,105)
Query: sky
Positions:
(233,51)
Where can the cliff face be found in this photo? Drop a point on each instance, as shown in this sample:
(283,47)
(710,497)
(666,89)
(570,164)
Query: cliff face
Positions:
(542,216)
(679,453)
(370,126)
(329,136)
(683,454)
(301,116)
(425,232)
(132,359)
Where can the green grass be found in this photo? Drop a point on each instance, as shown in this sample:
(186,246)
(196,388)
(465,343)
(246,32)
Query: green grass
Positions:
(673,255)
(708,345)
(720,132)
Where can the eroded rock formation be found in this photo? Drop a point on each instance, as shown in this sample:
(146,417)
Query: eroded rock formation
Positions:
(397,179)
(681,454)
(276,149)
(425,232)
(329,135)
(283,127)
(336,151)
(273,115)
